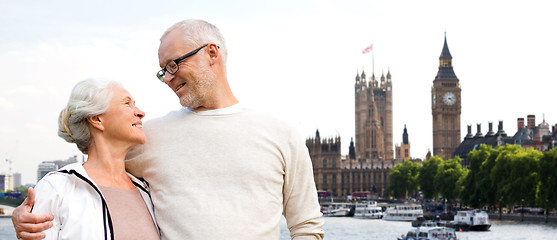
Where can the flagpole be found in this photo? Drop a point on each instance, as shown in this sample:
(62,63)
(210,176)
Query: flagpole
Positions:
(372,61)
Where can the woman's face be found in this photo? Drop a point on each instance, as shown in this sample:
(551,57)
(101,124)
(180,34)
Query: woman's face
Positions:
(122,120)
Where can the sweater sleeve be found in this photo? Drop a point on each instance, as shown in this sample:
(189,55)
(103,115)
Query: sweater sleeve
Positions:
(46,202)
(301,207)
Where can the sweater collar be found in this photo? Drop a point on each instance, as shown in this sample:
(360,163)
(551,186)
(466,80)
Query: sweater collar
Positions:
(221,111)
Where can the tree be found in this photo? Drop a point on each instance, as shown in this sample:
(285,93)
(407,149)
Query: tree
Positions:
(403,179)
(486,184)
(547,194)
(426,178)
(473,182)
(502,173)
(448,177)
(23,190)
(524,176)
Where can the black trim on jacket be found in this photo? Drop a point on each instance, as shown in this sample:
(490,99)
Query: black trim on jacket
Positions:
(106,213)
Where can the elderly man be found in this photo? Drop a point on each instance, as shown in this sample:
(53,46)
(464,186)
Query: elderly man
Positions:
(216,169)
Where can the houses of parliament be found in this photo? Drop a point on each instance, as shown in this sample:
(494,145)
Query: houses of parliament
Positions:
(371,157)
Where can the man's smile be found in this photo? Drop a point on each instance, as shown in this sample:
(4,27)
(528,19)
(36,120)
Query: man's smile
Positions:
(179,87)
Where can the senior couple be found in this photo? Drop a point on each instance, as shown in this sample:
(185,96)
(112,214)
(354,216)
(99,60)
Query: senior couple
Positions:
(211,170)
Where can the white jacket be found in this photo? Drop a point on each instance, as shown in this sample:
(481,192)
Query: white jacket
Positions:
(78,205)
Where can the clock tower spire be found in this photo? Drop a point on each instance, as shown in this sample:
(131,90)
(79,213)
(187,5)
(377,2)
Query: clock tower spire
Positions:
(445,107)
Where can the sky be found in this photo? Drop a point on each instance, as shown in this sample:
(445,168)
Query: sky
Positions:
(294,59)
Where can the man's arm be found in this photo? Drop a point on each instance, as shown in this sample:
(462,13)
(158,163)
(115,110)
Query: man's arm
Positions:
(29,226)
(301,206)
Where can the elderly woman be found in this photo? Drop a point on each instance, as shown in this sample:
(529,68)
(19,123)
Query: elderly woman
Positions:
(98,200)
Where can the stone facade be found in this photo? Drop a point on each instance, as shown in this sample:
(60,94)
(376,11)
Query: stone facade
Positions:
(366,167)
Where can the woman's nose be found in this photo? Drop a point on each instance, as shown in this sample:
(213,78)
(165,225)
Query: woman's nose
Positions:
(139,113)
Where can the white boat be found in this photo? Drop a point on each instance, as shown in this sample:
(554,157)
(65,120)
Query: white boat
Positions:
(474,220)
(335,209)
(430,232)
(403,212)
(368,210)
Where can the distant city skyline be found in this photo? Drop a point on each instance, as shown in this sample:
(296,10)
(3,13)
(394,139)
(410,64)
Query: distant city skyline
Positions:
(284,58)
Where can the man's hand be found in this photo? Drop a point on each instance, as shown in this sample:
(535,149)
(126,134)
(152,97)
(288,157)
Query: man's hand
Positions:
(29,226)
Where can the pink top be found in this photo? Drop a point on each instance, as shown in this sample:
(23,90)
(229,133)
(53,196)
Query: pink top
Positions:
(130,216)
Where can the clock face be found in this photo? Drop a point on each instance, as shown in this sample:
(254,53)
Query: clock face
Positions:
(449,98)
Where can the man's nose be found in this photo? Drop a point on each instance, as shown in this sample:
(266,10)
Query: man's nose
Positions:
(168,77)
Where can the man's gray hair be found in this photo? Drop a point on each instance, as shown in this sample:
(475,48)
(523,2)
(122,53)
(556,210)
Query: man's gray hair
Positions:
(197,32)
(88,98)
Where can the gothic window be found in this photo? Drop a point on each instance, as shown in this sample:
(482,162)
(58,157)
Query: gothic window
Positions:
(367,178)
(341,178)
(325,163)
(373,139)
(324,179)
(367,139)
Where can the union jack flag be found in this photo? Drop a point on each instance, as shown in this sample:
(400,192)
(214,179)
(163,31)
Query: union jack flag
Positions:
(367,49)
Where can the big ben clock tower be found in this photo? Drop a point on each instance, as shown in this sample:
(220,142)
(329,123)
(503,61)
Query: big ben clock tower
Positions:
(445,107)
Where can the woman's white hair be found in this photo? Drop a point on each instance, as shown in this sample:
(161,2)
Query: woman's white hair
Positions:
(88,98)
(197,32)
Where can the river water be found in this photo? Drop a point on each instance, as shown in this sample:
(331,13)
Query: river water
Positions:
(348,228)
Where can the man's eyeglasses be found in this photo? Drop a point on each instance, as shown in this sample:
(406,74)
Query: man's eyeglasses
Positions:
(172,66)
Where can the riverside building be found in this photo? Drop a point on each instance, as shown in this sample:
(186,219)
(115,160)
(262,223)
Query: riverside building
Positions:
(541,137)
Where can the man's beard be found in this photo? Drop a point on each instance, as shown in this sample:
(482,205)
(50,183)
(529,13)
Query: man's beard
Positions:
(199,89)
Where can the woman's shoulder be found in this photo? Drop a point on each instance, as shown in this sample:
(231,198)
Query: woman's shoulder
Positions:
(59,179)
(53,181)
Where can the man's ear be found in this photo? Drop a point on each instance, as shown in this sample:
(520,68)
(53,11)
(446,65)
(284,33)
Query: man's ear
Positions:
(214,54)
(96,122)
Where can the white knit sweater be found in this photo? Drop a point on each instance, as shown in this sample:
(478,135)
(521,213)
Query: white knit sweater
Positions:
(227,174)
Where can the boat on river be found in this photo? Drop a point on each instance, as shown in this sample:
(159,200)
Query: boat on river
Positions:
(368,210)
(430,231)
(403,212)
(471,220)
(336,209)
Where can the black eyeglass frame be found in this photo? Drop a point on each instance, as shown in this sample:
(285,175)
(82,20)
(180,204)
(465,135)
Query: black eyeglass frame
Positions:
(161,73)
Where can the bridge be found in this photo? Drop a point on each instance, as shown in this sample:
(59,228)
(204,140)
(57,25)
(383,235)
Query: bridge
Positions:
(11,202)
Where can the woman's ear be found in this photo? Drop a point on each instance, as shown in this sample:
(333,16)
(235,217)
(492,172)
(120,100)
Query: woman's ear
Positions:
(96,122)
